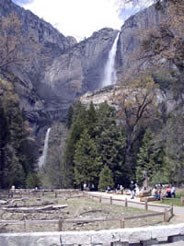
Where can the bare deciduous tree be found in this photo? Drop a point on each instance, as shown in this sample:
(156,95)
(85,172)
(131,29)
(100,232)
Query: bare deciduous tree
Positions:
(137,104)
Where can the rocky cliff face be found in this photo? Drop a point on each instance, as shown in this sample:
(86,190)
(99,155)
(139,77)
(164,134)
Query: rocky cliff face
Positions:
(151,39)
(81,68)
(59,69)
(41,43)
(152,42)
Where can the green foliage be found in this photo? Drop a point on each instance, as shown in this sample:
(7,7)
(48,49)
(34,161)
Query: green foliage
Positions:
(106,179)
(172,135)
(87,162)
(53,174)
(15,160)
(120,138)
(94,140)
(110,140)
(151,158)
(76,129)
(69,117)
(32,181)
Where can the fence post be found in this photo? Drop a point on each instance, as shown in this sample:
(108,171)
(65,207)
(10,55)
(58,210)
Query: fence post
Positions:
(172,212)
(55,194)
(60,224)
(100,199)
(126,202)
(122,223)
(110,199)
(182,200)
(165,215)
(24,218)
(146,204)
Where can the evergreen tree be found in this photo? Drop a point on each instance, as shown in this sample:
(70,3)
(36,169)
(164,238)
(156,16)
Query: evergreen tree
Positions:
(87,162)
(151,158)
(70,117)
(77,128)
(110,142)
(143,158)
(106,179)
(15,162)
(91,120)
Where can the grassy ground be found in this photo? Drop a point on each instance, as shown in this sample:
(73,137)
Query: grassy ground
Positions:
(174,201)
(78,208)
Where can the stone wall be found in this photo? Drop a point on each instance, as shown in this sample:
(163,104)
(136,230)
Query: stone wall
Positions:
(147,236)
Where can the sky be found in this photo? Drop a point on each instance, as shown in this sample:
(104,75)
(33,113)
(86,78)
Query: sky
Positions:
(80,18)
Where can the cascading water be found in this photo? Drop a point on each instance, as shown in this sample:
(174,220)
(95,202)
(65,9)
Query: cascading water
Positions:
(110,72)
(43,157)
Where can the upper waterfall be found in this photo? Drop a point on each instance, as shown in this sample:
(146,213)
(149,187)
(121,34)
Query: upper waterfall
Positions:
(110,72)
(43,157)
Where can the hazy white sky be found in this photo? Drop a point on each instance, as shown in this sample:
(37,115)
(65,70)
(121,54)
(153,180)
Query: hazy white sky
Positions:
(78,18)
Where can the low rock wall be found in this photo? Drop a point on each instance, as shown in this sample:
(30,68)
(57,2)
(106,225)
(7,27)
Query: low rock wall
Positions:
(146,236)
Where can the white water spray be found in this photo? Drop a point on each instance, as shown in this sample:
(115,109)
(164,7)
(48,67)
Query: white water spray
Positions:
(110,72)
(43,157)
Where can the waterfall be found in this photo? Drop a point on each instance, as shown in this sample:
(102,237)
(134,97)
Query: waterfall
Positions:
(109,72)
(43,157)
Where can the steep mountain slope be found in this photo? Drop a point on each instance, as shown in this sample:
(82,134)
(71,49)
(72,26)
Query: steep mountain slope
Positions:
(151,42)
(152,39)
(58,69)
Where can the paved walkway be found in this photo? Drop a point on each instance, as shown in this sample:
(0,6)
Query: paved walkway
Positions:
(178,211)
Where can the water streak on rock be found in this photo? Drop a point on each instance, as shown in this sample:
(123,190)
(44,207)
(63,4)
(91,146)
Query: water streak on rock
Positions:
(110,72)
(43,157)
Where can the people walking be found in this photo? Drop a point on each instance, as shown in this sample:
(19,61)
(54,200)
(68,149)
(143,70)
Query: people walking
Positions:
(132,189)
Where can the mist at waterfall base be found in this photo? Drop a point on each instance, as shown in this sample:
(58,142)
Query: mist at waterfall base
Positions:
(42,159)
(109,71)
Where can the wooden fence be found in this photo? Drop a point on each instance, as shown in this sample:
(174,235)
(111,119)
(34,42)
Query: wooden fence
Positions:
(166,214)
(19,193)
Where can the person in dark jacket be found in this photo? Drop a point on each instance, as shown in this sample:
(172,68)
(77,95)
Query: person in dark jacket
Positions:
(132,189)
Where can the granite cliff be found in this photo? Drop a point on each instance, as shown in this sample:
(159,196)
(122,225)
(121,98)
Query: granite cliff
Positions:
(152,39)
(151,42)
(61,70)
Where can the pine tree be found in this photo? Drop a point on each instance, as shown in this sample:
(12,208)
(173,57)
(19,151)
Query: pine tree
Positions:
(106,179)
(87,162)
(110,142)
(15,162)
(76,129)
(151,159)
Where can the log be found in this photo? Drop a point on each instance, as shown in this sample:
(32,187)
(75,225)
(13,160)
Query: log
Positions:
(35,209)
(94,211)
(2,227)
(3,202)
(18,200)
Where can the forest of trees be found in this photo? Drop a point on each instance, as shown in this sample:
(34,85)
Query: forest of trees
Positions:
(17,155)
(123,143)
(107,146)
(99,145)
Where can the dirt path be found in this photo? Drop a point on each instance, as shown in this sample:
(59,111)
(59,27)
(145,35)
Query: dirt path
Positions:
(135,203)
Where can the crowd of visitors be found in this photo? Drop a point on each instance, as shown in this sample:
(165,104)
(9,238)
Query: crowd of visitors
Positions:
(158,191)
(161,191)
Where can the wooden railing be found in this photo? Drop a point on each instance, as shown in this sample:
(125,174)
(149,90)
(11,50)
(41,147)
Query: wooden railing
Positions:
(166,214)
